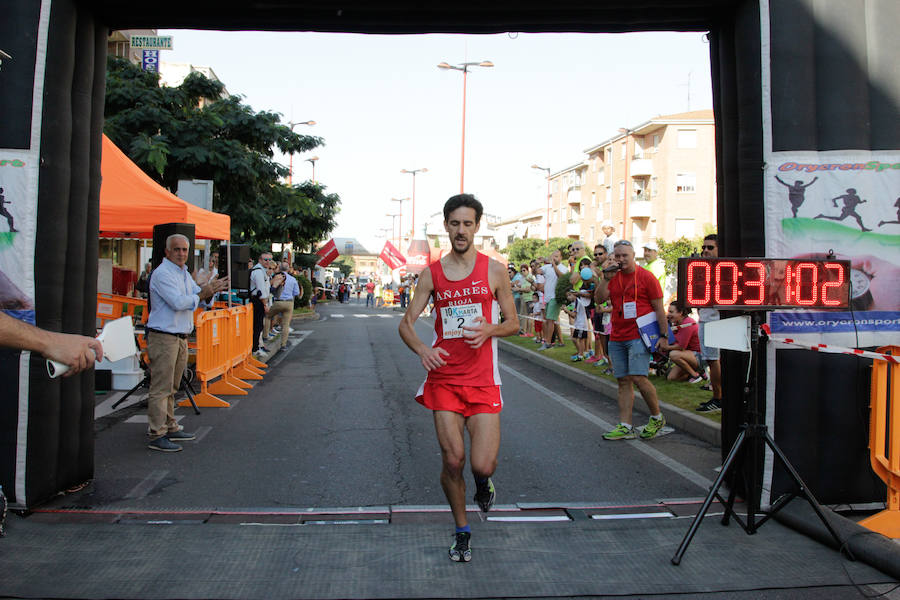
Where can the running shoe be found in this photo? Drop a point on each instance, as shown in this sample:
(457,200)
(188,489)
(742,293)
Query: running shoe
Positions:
(576,357)
(706,387)
(460,551)
(697,379)
(589,354)
(484,495)
(710,406)
(544,347)
(592,360)
(621,432)
(651,429)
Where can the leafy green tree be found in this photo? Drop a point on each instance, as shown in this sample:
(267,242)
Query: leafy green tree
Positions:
(670,252)
(192,132)
(345,264)
(527,249)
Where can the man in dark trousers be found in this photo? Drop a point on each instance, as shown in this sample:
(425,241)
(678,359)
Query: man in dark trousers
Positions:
(259,298)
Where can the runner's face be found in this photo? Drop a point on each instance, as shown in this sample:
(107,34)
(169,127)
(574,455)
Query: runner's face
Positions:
(461,228)
(673,315)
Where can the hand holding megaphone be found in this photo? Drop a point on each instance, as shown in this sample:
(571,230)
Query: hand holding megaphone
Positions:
(68,354)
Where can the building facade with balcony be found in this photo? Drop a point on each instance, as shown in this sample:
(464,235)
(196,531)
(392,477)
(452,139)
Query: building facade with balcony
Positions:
(656,180)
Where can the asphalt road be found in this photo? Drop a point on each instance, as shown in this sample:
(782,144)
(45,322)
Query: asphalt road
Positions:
(334,424)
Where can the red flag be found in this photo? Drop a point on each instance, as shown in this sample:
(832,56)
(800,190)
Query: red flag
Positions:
(328,252)
(391,256)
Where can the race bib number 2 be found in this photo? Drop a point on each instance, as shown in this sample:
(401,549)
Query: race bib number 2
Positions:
(454,318)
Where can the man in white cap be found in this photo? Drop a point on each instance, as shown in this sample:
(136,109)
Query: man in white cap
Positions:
(655,264)
(608,230)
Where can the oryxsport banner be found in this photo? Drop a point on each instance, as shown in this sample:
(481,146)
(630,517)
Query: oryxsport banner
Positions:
(846,203)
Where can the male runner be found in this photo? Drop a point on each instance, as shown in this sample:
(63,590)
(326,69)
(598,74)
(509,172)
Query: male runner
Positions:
(462,386)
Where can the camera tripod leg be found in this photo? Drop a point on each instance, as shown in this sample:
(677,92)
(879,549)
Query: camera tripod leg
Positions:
(186,388)
(144,382)
(713,494)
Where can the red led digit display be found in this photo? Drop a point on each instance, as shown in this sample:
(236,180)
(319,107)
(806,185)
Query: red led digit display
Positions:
(763,283)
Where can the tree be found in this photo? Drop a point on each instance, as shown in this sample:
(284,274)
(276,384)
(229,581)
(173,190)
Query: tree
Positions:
(527,249)
(670,252)
(345,264)
(191,132)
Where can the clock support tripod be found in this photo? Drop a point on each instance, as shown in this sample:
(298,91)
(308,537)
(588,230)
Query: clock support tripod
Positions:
(746,452)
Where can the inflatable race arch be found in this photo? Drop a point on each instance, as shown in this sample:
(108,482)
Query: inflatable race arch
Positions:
(804,91)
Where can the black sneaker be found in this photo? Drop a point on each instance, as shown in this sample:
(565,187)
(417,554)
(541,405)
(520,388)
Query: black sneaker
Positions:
(710,406)
(460,551)
(164,444)
(484,495)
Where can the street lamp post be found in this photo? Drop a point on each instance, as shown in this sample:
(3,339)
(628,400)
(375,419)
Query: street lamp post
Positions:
(291,167)
(548,198)
(393,225)
(464,67)
(412,228)
(399,202)
(312,161)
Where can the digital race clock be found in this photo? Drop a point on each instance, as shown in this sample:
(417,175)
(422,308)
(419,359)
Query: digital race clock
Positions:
(763,283)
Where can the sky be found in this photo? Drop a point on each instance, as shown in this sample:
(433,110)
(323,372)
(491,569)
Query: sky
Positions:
(382,105)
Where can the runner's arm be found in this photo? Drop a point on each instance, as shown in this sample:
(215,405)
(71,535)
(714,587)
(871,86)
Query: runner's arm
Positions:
(432,358)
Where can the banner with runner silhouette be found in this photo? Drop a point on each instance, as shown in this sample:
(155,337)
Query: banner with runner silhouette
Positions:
(846,203)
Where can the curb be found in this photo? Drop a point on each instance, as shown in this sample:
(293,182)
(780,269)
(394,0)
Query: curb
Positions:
(695,425)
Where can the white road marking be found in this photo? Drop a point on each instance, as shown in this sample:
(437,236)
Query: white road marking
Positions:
(637,444)
(146,486)
(656,515)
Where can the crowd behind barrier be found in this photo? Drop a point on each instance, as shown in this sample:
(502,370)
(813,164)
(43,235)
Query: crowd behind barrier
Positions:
(222,347)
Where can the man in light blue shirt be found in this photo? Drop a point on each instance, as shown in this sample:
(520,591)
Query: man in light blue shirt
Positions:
(173,298)
(284,304)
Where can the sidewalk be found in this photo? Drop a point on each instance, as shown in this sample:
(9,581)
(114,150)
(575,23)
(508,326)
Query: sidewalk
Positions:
(683,420)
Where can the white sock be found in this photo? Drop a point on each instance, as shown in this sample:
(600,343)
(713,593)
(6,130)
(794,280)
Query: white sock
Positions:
(657,417)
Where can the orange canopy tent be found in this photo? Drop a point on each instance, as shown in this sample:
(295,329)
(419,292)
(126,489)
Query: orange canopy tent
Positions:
(131,203)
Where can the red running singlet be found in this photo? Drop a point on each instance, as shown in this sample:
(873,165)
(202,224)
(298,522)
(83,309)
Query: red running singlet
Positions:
(456,303)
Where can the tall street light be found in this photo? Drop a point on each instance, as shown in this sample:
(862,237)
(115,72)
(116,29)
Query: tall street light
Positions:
(413,225)
(393,216)
(291,167)
(312,161)
(548,198)
(464,67)
(400,202)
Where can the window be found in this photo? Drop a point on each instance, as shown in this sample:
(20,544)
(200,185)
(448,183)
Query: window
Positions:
(654,187)
(639,147)
(685,183)
(684,228)
(656,143)
(621,190)
(555,185)
(687,138)
(624,151)
(593,199)
(601,176)
(609,195)
(609,162)
(592,238)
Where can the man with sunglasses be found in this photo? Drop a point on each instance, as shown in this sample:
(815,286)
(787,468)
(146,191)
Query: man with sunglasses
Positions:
(710,356)
(633,292)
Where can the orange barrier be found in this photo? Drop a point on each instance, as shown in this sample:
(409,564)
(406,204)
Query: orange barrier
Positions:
(111,307)
(884,441)
(212,355)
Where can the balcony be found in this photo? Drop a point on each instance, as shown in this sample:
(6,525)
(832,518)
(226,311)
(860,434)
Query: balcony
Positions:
(573,228)
(639,209)
(642,167)
(574,196)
